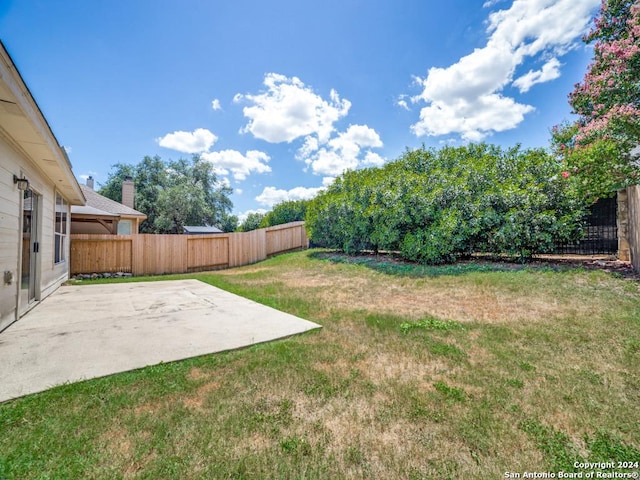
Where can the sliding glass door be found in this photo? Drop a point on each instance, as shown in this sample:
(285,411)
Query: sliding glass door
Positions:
(30,248)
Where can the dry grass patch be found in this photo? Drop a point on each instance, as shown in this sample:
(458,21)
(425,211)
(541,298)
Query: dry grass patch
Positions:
(118,442)
(197,373)
(120,448)
(443,298)
(139,465)
(198,399)
(148,408)
(493,371)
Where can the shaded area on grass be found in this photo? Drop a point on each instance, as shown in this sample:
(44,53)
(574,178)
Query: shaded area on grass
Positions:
(393,265)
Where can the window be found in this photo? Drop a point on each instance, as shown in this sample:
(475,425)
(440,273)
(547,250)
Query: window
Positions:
(61,229)
(124,227)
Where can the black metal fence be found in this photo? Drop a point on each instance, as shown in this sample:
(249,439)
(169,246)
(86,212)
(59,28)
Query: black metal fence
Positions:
(601,232)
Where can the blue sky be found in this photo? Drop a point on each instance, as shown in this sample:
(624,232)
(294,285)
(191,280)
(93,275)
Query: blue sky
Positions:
(283,96)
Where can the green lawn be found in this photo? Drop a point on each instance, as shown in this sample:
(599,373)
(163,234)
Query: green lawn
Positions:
(465,371)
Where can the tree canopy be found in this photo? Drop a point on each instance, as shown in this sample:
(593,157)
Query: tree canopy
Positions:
(251,222)
(285,212)
(174,194)
(597,148)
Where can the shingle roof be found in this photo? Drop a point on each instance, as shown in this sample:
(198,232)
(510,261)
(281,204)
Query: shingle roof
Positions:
(105,204)
(87,210)
(196,229)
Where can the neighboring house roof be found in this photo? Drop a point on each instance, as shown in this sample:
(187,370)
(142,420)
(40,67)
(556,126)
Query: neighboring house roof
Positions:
(195,230)
(91,211)
(104,205)
(24,125)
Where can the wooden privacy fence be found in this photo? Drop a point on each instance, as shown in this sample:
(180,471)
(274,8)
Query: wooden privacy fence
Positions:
(149,254)
(629,225)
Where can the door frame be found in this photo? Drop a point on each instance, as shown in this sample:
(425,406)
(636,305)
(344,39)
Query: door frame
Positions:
(26,301)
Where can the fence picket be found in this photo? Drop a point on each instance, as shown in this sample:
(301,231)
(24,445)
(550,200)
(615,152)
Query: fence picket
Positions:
(147,254)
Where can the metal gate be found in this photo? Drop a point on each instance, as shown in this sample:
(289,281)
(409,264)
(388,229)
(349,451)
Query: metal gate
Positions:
(600,233)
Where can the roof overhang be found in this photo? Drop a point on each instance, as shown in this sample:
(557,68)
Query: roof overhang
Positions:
(26,129)
(87,211)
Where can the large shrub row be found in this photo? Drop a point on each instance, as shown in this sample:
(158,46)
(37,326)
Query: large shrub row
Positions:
(434,206)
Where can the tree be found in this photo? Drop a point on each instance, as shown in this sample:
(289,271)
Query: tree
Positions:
(285,212)
(252,222)
(597,148)
(173,194)
(228,223)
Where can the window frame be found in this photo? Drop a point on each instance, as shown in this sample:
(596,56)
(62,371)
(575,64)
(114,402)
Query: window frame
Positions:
(122,223)
(60,229)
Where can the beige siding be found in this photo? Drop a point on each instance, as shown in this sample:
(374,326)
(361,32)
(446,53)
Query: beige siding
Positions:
(50,275)
(9,239)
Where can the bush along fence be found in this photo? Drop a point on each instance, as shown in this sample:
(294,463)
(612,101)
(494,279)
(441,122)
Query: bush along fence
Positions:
(436,206)
(147,254)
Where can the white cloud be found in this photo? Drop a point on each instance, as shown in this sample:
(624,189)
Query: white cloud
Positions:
(271,196)
(550,71)
(238,164)
(472,119)
(310,146)
(374,159)
(343,152)
(402,103)
(288,109)
(326,181)
(465,97)
(356,136)
(243,216)
(330,162)
(215,104)
(198,141)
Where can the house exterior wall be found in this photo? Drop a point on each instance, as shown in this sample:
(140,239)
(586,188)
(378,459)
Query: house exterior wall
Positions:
(49,274)
(135,223)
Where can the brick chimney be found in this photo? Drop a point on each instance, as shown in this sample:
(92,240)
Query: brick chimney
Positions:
(90,182)
(128,192)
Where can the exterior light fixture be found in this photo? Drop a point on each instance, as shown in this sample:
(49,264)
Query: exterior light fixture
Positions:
(23,183)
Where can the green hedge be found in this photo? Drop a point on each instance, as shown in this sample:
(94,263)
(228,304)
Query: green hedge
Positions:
(435,206)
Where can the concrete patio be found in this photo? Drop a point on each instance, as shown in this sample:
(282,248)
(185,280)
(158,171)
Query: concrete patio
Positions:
(89,331)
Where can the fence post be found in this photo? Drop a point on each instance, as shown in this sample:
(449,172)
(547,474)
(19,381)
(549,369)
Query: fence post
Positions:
(633,225)
(624,252)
